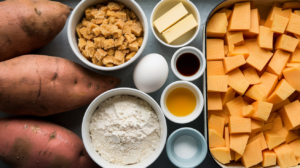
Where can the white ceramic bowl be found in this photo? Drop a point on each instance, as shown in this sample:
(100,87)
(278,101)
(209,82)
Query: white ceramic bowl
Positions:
(164,6)
(77,16)
(194,114)
(194,51)
(114,92)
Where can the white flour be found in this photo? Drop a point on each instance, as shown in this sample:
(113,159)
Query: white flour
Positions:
(124,130)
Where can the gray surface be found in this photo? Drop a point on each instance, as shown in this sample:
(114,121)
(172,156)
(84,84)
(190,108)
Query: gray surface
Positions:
(72,119)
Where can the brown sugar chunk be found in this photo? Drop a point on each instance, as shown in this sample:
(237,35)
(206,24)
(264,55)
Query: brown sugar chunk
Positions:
(85,34)
(100,54)
(140,41)
(111,52)
(124,45)
(99,42)
(113,6)
(81,44)
(78,27)
(110,13)
(108,59)
(137,28)
(121,15)
(119,55)
(90,48)
(97,30)
(130,38)
(119,41)
(85,22)
(88,14)
(134,47)
(108,43)
(120,23)
(129,56)
(97,21)
(112,19)
(117,33)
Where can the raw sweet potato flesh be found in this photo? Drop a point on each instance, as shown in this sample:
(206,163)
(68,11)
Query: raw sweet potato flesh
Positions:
(260,100)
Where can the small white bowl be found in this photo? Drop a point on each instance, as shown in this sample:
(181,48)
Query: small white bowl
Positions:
(199,100)
(77,16)
(164,6)
(194,51)
(94,105)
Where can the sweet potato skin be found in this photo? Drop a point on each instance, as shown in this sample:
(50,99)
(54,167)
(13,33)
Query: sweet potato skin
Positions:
(26,25)
(28,143)
(44,85)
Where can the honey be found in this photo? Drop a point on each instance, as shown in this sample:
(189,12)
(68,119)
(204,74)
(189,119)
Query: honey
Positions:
(181,102)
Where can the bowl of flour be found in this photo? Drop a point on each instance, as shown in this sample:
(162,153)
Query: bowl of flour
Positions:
(124,127)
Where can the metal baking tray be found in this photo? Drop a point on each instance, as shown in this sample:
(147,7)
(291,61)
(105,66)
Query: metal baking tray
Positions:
(263,7)
(72,120)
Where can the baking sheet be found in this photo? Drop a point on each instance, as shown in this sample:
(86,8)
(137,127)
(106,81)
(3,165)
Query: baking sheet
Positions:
(72,119)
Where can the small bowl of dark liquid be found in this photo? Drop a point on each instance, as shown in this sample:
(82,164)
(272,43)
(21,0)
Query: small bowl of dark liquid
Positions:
(188,63)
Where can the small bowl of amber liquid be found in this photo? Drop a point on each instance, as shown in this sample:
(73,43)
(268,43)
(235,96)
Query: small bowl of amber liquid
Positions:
(182,102)
(188,63)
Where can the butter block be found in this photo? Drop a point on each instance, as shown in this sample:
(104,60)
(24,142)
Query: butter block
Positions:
(180,28)
(170,18)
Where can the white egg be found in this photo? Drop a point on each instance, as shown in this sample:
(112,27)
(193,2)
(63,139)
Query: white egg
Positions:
(151,73)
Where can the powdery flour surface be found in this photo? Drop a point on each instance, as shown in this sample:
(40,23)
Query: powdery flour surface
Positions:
(124,130)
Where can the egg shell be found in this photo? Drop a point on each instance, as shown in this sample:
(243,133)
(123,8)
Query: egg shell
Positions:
(151,73)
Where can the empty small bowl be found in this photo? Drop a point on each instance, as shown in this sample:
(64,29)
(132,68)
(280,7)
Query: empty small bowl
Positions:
(197,145)
(194,51)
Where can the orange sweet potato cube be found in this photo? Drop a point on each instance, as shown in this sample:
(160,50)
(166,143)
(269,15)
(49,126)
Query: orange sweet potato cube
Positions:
(256,93)
(215,49)
(237,81)
(290,115)
(251,75)
(293,25)
(215,68)
(295,146)
(216,123)
(278,106)
(234,38)
(279,24)
(269,158)
(265,38)
(282,91)
(238,142)
(262,110)
(239,125)
(235,107)
(214,101)
(295,58)
(275,10)
(286,43)
(239,50)
(228,12)
(228,96)
(258,57)
(252,155)
(231,63)
(268,83)
(217,83)
(254,24)
(217,25)
(285,156)
(240,18)
(278,62)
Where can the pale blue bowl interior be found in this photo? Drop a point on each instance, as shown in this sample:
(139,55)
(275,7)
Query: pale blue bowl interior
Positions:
(197,158)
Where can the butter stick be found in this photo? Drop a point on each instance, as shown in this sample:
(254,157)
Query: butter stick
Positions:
(180,28)
(170,18)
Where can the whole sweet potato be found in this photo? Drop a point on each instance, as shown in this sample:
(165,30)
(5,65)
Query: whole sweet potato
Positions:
(30,143)
(26,25)
(43,85)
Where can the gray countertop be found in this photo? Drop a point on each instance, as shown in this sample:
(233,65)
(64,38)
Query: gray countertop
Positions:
(72,119)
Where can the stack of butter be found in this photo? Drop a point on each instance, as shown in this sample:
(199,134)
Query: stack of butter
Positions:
(174,24)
